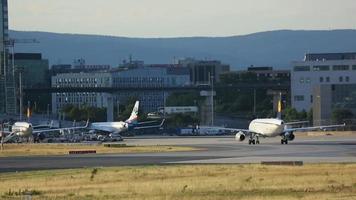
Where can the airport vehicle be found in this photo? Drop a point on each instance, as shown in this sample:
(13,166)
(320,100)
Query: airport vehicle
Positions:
(202,130)
(273,127)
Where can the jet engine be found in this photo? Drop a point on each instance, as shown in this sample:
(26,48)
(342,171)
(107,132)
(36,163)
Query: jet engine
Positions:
(240,136)
(290,136)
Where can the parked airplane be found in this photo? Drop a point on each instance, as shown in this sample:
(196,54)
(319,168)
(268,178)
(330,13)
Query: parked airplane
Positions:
(122,126)
(26,130)
(272,128)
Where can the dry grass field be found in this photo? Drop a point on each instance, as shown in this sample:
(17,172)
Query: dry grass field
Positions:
(187,182)
(61,149)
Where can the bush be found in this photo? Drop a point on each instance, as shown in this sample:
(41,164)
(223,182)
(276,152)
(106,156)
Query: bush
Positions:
(341,115)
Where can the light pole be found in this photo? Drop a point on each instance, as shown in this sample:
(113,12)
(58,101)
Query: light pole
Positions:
(20,70)
(28,110)
(118,108)
(5,76)
(254,102)
(48,111)
(212,98)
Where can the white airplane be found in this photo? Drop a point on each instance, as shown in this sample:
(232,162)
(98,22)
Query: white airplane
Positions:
(122,126)
(273,127)
(26,130)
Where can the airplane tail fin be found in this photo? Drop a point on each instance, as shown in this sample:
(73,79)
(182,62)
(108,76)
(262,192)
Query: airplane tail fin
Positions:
(134,114)
(87,123)
(279,107)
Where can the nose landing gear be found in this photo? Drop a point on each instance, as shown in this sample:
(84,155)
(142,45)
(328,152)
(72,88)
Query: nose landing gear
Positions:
(253,139)
(284,140)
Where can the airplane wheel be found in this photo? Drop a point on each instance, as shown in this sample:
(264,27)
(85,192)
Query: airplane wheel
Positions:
(253,142)
(282,141)
(286,141)
(257,142)
(249,142)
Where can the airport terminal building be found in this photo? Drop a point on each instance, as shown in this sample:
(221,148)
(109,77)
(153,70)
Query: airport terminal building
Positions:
(138,77)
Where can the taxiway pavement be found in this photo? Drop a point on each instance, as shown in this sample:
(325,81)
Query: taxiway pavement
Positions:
(321,149)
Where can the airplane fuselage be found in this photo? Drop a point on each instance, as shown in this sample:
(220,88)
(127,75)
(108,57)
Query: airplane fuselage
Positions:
(114,127)
(22,129)
(267,127)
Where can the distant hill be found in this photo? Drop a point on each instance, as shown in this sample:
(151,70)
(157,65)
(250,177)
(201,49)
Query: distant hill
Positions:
(273,48)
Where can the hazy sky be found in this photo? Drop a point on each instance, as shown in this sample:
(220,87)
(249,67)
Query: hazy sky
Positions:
(170,18)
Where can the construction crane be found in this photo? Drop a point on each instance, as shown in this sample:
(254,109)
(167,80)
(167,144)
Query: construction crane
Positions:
(10,84)
(11,43)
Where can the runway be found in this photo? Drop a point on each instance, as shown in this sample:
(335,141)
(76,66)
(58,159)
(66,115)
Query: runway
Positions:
(324,149)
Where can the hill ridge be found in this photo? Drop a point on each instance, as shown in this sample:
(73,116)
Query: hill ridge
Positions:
(270,48)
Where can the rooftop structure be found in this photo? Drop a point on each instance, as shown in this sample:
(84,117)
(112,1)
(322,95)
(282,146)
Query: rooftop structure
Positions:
(330,56)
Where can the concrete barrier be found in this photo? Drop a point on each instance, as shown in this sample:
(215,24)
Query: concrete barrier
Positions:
(289,163)
(82,152)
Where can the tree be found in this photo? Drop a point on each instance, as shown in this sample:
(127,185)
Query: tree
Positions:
(303,115)
(291,114)
(341,115)
(183,99)
(75,113)
(310,115)
(181,120)
(81,114)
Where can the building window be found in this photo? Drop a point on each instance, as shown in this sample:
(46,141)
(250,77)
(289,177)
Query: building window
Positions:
(347,79)
(321,68)
(298,98)
(321,79)
(311,98)
(341,67)
(301,68)
(341,79)
(307,80)
(301,80)
(328,79)
(353,67)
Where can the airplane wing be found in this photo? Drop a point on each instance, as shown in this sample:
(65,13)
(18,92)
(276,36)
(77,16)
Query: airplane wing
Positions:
(41,126)
(236,130)
(60,129)
(298,122)
(104,129)
(153,126)
(48,125)
(146,122)
(314,128)
(8,136)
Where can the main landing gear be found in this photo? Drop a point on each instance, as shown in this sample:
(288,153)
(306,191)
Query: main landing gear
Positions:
(253,140)
(284,141)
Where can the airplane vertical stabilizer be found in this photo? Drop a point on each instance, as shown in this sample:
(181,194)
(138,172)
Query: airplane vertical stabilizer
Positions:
(279,107)
(134,114)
